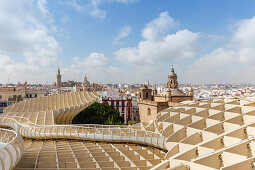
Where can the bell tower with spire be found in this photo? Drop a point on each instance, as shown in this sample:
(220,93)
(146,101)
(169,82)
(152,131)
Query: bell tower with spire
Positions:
(172,79)
(58,81)
(85,82)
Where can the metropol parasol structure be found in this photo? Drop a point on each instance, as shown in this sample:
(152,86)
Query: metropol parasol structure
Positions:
(37,134)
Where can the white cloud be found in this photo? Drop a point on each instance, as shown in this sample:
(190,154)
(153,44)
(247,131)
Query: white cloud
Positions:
(28,48)
(158,27)
(96,60)
(96,66)
(247,55)
(124,32)
(244,39)
(98,13)
(25,29)
(219,58)
(92,7)
(232,63)
(41,4)
(76,6)
(219,66)
(244,35)
(158,46)
(16,71)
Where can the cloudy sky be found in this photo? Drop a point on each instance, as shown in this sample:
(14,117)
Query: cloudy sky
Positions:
(127,41)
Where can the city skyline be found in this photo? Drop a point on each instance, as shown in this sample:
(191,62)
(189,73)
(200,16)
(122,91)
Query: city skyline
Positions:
(127,41)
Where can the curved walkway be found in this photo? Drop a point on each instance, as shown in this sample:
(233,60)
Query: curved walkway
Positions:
(11,149)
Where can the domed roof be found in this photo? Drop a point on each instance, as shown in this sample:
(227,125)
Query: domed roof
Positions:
(172,73)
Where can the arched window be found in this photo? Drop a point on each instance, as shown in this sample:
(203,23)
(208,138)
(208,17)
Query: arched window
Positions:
(147,95)
(149,111)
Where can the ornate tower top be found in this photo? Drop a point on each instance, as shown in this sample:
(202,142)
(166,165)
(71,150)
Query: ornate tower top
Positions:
(58,79)
(172,79)
(85,82)
(172,73)
(58,71)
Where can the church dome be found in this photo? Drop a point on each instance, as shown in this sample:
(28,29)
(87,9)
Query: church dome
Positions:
(172,73)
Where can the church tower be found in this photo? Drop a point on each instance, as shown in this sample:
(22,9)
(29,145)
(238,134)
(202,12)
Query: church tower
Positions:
(58,81)
(85,82)
(172,80)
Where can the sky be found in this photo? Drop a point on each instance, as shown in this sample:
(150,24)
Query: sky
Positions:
(127,41)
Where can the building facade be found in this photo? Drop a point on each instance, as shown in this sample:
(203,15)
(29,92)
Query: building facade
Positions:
(32,93)
(9,96)
(86,86)
(19,92)
(150,103)
(124,106)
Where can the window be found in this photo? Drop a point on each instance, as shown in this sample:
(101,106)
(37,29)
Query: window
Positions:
(149,111)
(0,96)
(147,95)
(3,104)
(1,110)
(134,118)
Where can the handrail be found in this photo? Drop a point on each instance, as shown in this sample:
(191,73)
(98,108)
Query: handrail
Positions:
(89,133)
(77,125)
(86,125)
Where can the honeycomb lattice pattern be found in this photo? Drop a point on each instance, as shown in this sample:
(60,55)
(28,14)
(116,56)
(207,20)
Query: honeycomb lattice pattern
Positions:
(215,134)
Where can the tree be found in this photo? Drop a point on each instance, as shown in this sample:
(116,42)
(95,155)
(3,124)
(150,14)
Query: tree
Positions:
(99,113)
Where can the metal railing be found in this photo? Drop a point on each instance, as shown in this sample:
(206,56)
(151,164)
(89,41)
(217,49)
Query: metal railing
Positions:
(115,133)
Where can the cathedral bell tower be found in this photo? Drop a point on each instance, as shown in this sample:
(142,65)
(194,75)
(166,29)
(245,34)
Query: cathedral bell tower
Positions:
(58,81)
(172,79)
